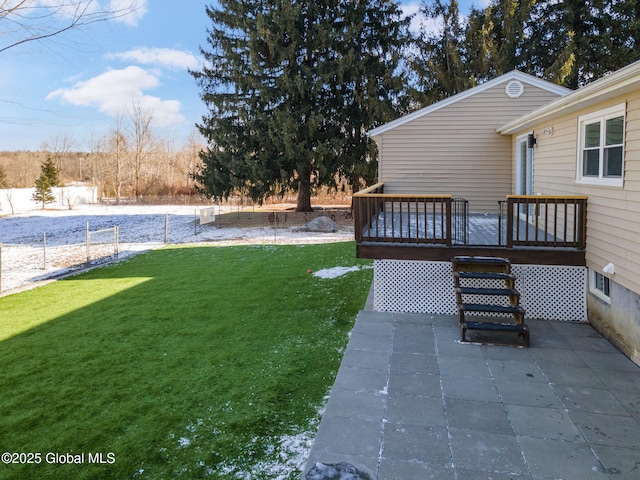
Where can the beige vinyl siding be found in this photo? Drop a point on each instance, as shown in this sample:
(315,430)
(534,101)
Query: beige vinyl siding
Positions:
(555,157)
(456,150)
(613,213)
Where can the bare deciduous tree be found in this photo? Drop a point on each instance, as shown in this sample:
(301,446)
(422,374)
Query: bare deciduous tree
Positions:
(97,167)
(141,142)
(118,151)
(60,146)
(26,21)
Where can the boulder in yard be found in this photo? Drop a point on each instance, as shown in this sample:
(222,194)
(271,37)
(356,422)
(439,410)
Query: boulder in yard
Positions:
(321,224)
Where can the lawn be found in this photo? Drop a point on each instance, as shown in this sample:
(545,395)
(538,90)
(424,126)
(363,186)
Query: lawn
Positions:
(184,362)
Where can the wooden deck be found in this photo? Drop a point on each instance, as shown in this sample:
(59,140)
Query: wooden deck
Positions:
(541,230)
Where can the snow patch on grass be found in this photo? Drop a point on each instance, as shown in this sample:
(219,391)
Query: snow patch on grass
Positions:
(45,244)
(288,453)
(335,272)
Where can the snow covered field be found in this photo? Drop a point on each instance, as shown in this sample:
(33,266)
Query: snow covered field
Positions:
(26,262)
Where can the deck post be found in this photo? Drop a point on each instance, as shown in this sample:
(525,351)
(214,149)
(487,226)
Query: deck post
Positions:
(510,207)
(357,215)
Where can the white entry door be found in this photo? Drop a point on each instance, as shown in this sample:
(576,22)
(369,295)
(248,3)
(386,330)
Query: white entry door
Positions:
(524,174)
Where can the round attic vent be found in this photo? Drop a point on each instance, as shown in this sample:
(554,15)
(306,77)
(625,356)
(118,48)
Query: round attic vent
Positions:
(514,89)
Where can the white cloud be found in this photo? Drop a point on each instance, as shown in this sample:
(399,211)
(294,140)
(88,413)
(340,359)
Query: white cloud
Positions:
(164,57)
(115,92)
(130,11)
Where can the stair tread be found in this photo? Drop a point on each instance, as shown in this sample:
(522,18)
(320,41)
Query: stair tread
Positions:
(481,307)
(487,291)
(515,327)
(485,275)
(481,260)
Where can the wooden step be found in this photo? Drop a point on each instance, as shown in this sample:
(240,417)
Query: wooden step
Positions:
(488,268)
(495,326)
(484,275)
(487,291)
(481,260)
(520,328)
(488,308)
(480,264)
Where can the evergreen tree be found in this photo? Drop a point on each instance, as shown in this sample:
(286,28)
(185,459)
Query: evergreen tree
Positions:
(495,38)
(45,182)
(577,41)
(371,85)
(619,41)
(571,42)
(3,178)
(283,83)
(441,63)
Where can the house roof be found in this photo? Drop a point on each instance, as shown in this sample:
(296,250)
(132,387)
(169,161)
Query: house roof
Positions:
(622,81)
(513,75)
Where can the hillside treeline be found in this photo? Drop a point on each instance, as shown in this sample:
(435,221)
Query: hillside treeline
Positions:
(116,167)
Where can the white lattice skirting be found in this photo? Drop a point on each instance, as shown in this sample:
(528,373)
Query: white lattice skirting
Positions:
(547,292)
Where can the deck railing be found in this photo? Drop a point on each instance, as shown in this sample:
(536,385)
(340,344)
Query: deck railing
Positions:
(547,221)
(544,221)
(395,218)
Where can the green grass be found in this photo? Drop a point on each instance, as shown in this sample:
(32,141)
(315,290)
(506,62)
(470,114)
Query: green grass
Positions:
(182,362)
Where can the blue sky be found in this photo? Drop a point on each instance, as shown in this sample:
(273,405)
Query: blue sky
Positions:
(75,85)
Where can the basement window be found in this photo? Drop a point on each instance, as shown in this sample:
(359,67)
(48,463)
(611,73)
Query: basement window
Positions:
(600,286)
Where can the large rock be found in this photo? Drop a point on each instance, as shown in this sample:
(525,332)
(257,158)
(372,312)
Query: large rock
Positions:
(321,224)
(336,471)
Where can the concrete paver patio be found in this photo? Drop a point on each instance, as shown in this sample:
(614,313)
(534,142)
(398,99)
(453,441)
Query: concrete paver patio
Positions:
(411,402)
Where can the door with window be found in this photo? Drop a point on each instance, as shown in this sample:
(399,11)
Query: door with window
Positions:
(524,175)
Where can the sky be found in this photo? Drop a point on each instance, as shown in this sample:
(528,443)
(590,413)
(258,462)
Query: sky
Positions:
(71,88)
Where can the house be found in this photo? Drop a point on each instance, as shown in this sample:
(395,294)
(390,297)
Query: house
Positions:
(452,147)
(555,173)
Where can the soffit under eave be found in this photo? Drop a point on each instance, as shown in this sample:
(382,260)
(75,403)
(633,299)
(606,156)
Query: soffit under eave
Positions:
(572,103)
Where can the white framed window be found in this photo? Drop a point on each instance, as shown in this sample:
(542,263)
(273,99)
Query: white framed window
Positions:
(601,147)
(600,286)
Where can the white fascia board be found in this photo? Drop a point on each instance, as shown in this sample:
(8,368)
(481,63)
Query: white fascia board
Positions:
(625,80)
(513,75)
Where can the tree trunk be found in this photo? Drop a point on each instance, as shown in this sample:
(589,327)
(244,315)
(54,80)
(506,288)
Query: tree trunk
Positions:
(355,187)
(304,192)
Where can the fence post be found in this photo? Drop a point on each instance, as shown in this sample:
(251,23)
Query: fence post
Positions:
(116,234)
(88,244)
(275,226)
(166,227)
(44,250)
(0,267)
